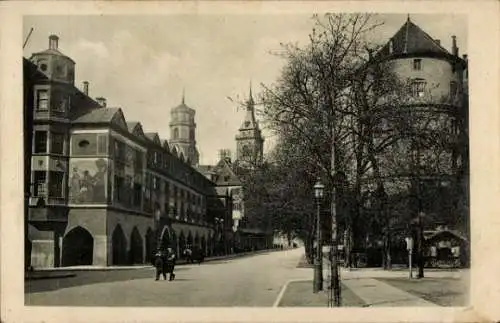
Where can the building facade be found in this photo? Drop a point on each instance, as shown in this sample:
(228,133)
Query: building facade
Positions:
(101,191)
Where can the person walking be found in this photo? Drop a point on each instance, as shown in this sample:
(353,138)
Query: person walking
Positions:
(170,263)
(160,265)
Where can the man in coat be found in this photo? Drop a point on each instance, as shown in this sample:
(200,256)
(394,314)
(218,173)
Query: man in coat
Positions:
(160,265)
(170,263)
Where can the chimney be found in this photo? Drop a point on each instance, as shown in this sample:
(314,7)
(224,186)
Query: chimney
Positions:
(454,47)
(438,41)
(86,87)
(101,101)
(53,42)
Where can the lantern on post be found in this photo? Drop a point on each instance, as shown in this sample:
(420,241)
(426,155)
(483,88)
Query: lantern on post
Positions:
(318,262)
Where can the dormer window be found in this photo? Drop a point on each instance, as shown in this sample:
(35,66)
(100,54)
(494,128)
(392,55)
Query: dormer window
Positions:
(247,124)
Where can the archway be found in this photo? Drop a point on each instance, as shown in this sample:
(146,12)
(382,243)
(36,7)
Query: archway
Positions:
(150,244)
(136,247)
(204,245)
(119,245)
(78,248)
(182,243)
(197,240)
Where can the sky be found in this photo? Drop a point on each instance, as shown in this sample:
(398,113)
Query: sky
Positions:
(142,63)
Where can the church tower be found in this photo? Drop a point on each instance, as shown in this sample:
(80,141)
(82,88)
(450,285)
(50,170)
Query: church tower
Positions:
(249,140)
(182,132)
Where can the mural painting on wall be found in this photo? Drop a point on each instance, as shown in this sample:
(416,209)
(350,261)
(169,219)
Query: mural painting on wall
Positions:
(88,181)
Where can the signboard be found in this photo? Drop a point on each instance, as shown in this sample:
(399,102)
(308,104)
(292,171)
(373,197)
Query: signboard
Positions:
(409,243)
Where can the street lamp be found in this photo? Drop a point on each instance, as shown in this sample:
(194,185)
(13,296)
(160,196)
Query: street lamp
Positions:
(318,262)
(409,247)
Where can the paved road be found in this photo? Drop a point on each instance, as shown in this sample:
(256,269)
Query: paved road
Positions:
(250,281)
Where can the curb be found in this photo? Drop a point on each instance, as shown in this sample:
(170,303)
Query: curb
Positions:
(50,277)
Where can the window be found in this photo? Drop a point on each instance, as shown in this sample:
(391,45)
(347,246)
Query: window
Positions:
(417,64)
(191,134)
(40,184)
(56,184)
(102,144)
(40,142)
(43,67)
(62,104)
(137,194)
(57,143)
(119,186)
(453,89)
(42,103)
(176,133)
(418,88)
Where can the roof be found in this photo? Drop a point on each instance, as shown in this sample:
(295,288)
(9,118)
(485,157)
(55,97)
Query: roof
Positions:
(411,39)
(205,169)
(434,234)
(52,51)
(131,125)
(100,115)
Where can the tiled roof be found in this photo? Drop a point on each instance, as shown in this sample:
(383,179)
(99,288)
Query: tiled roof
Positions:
(100,115)
(411,39)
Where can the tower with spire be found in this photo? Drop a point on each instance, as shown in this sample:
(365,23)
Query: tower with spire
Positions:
(183,132)
(249,140)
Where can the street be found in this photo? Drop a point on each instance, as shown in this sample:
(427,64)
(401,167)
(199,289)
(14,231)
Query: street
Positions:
(249,281)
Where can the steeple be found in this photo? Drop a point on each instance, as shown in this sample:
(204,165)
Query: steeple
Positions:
(251,103)
(183,95)
(249,140)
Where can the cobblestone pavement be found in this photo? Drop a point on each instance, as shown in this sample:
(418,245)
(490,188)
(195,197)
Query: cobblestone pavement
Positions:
(249,281)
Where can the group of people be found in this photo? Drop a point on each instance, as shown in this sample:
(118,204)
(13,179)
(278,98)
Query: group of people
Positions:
(164,261)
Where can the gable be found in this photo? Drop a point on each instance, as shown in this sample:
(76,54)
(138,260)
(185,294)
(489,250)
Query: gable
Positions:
(138,131)
(118,119)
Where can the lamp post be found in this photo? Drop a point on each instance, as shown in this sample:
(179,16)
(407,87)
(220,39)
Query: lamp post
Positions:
(420,245)
(318,262)
(409,247)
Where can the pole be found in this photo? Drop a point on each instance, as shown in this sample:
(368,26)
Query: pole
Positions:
(409,257)
(318,263)
(334,300)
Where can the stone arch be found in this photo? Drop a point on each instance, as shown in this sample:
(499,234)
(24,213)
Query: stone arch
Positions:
(204,244)
(119,246)
(182,242)
(78,247)
(197,240)
(150,244)
(136,254)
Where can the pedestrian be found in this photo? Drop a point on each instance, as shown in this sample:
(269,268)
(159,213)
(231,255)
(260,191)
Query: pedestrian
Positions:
(170,263)
(160,265)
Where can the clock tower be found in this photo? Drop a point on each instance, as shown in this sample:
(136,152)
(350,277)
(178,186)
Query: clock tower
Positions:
(249,140)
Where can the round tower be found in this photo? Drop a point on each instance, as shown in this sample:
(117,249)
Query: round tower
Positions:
(183,132)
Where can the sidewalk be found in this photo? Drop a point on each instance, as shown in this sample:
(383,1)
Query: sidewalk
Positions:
(374,292)
(365,284)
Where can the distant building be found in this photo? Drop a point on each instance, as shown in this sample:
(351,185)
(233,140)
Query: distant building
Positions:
(183,132)
(229,176)
(101,191)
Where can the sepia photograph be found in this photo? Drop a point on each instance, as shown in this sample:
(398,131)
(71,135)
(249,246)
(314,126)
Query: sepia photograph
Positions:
(320,160)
